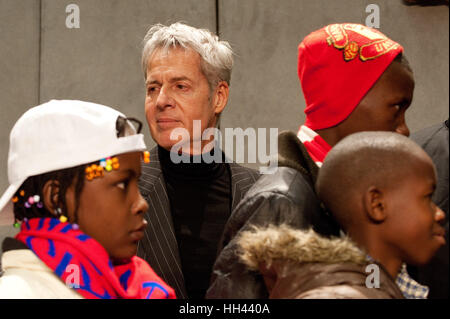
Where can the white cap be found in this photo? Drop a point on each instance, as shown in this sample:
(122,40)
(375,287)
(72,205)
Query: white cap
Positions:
(62,134)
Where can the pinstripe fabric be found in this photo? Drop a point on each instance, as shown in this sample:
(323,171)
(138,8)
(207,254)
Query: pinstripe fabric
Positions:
(159,246)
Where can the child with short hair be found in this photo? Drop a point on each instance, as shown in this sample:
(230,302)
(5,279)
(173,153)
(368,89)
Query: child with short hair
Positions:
(378,186)
(73,169)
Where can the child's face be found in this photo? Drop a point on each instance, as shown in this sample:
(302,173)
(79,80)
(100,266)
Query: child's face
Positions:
(413,219)
(111,208)
(383,108)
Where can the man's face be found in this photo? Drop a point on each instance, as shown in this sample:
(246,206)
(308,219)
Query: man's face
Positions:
(177,94)
(413,228)
(383,107)
(111,209)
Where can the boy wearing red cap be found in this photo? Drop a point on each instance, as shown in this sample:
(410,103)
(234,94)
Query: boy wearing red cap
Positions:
(353,79)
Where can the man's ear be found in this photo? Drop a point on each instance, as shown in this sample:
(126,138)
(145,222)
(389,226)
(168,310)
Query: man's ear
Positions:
(50,194)
(375,204)
(220,97)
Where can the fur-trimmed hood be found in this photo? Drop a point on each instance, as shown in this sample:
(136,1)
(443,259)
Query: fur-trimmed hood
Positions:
(283,243)
(302,264)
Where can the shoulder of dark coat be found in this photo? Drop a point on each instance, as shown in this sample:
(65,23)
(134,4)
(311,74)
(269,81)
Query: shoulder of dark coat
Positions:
(285,182)
(292,153)
(246,172)
(433,136)
(296,170)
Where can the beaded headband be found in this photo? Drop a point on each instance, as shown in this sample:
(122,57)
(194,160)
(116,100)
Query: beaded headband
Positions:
(92,171)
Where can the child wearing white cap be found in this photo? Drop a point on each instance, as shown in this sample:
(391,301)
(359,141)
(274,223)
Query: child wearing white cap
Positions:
(73,169)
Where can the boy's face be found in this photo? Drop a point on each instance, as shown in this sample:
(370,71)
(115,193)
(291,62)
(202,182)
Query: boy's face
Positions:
(413,228)
(383,107)
(111,208)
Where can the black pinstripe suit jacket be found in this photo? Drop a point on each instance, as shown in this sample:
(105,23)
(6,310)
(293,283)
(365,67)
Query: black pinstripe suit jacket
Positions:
(159,246)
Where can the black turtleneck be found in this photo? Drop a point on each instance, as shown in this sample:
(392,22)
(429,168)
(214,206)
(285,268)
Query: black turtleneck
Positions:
(200,202)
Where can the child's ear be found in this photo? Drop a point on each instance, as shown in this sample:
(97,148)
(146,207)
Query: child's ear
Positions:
(375,205)
(50,193)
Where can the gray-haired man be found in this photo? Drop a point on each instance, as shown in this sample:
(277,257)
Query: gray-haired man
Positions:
(187,73)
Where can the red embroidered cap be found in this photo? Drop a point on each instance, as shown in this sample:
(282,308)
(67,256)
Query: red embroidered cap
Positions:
(337,66)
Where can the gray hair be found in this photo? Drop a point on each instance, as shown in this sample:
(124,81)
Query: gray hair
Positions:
(216,56)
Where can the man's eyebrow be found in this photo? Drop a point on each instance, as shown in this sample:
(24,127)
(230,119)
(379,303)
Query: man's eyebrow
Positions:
(180,78)
(148,82)
(174,79)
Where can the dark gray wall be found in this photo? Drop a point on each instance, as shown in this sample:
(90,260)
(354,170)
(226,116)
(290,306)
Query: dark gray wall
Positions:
(19,73)
(41,59)
(265,35)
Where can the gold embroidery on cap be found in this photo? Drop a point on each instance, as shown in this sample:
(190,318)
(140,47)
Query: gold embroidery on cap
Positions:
(379,45)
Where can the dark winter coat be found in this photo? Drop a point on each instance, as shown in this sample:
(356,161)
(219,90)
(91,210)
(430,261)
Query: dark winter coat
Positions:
(285,197)
(434,140)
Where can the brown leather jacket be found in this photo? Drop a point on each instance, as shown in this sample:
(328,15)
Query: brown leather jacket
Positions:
(297,264)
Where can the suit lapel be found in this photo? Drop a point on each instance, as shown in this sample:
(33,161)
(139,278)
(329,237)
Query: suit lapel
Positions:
(159,246)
